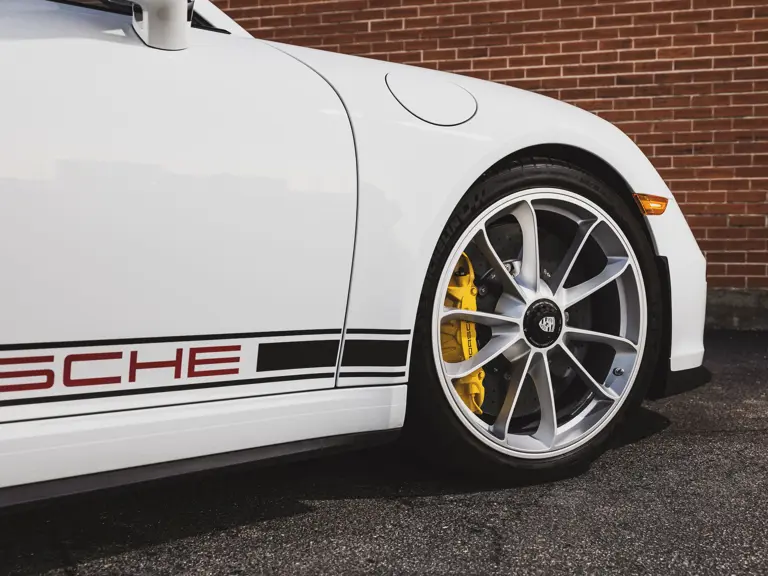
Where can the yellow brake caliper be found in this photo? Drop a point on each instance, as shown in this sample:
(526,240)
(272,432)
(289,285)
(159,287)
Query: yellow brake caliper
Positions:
(458,338)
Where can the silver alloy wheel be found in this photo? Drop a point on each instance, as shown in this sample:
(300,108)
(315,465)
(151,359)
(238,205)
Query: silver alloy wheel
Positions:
(529,300)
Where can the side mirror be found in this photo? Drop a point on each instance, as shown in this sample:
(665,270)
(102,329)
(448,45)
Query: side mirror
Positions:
(163,24)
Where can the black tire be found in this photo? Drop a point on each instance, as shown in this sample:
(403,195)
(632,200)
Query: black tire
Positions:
(430,420)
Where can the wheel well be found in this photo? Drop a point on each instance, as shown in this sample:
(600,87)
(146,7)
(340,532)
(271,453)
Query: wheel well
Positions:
(599,168)
(580,158)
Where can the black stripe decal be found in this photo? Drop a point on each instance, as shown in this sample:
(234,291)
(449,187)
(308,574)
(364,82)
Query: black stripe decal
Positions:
(371,374)
(378,331)
(296,355)
(164,339)
(162,389)
(375,353)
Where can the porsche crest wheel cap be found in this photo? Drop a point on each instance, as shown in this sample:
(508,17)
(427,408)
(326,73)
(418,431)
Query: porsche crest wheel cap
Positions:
(543,323)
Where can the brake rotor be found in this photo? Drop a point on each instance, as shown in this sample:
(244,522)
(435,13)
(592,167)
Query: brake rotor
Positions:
(507,239)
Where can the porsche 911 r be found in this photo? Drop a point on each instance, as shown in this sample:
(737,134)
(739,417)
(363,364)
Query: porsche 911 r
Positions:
(217,249)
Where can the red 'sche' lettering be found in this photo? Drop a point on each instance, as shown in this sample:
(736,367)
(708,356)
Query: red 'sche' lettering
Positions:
(69,360)
(44,373)
(194,361)
(136,365)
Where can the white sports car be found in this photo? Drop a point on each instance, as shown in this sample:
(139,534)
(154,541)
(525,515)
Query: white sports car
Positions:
(217,249)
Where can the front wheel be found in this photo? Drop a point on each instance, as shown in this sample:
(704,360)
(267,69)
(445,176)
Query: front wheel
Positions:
(539,321)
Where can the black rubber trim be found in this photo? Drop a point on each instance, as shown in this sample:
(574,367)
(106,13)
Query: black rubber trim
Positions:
(685,381)
(371,374)
(297,355)
(126,10)
(28,493)
(375,353)
(123,10)
(658,387)
(164,339)
(162,389)
(202,24)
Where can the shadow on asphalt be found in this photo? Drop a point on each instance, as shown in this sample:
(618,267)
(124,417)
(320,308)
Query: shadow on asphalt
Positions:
(643,424)
(53,534)
(686,381)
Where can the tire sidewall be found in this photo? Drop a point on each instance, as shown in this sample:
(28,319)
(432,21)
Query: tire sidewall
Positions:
(428,402)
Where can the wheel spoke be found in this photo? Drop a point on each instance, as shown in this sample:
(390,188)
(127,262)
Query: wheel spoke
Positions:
(519,372)
(517,350)
(597,260)
(601,391)
(497,345)
(530,274)
(484,318)
(583,232)
(618,343)
(613,270)
(542,379)
(508,282)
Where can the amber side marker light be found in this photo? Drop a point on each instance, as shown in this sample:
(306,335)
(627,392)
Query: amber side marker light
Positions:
(651,205)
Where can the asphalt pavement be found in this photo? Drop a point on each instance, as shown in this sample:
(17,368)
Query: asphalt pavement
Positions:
(683,490)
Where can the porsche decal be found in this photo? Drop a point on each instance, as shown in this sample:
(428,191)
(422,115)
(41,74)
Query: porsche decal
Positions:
(63,371)
(194,360)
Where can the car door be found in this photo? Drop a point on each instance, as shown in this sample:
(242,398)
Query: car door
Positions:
(176,227)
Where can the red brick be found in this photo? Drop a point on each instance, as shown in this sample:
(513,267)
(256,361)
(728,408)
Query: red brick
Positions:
(744,196)
(652,42)
(715,269)
(724,233)
(747,221)
(687,79)
(746,269)
(748,245)
(728,257)
(726,282)
(708,244)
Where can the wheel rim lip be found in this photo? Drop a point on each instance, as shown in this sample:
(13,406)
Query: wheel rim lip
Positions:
(469,420)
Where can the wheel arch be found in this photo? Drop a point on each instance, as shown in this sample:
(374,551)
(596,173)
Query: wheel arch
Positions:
(600,168)
(582,158)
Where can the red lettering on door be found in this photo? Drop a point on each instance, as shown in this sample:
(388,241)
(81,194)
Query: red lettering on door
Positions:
(69,360)
(46,373)
(136,365)
(194,361)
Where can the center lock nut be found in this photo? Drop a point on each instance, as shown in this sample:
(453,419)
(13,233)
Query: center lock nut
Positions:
(543,323)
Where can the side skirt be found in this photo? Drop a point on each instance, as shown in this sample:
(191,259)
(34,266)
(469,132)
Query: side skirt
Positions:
(28,493)
(87,452)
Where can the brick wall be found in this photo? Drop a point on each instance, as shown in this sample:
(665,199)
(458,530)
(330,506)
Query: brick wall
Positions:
(687,79)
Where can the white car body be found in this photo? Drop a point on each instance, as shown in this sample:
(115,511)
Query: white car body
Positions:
(267,206)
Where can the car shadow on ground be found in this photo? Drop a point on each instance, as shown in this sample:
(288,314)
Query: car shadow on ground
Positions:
(75,529)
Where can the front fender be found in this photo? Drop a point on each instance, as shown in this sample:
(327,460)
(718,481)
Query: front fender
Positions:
(412,175)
